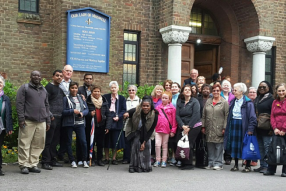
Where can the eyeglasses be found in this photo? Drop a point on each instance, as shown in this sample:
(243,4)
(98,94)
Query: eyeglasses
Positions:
(262,87)
(131,90)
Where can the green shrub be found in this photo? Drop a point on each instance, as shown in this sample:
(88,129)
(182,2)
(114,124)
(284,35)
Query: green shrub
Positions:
(141,90)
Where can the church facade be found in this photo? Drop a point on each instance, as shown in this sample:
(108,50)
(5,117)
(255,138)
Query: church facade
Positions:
(152,40)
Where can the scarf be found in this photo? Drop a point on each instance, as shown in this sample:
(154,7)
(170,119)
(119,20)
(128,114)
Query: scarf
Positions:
(1,93)
(264,97)
(97,102)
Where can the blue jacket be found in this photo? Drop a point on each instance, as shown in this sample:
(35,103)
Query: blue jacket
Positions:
(8,114)
(249,121)
(121,110)
(68,112)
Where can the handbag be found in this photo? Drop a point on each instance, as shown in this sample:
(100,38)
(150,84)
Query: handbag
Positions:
(167,118)
(250,150)
(183,148)
(202,153)
(277,151)
(264,121)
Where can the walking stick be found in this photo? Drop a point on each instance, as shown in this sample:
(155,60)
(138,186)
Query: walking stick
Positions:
(115,147)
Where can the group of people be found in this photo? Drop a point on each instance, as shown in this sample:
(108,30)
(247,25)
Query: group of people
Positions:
(148,129)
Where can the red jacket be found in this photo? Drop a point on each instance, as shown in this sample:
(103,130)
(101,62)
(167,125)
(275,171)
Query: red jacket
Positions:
(278,115)
(163,124)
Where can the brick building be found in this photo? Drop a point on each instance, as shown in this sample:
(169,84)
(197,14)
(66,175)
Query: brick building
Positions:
(33,37)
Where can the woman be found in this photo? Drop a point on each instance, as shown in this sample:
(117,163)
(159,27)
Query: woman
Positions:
(214,122)
(263,104)
(189,121)
(132,101)
(6,125)
(157,95)
(176,92)
(195,90)
(117,107)
(206,94)
(278,122)
(75,109)
(140,127)
(167,85)
(226,91)
(98,110)
(241,120)
(201,80)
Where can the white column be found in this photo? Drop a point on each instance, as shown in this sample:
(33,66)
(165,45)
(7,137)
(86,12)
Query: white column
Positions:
(175,36)
(258,45)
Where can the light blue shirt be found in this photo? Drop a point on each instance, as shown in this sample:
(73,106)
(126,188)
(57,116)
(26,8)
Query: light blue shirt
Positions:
(174,99)
(236,112)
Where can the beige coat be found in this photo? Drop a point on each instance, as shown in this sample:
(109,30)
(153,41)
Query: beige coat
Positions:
(215,119)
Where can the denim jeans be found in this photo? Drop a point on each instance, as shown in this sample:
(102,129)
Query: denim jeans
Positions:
(263,143)
(80,136)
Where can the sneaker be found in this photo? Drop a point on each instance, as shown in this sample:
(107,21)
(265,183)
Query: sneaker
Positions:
(156,164)
(209,167)
(73,164)
(173,162)
(179,163)
(217,167)
(80,163)
(164,165)
(85,165)
(246,169)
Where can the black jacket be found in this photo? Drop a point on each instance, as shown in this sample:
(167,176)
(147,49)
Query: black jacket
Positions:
(8,114)
(189,81)
(188,114)
(82,91)
(263,107)
(106,119)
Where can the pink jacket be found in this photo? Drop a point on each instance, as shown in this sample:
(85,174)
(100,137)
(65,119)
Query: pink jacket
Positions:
(163,124)
(278,115)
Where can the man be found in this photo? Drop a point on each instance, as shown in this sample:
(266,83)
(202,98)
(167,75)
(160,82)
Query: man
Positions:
(67,73)
(64,85)
(56,95)
(34,120)
(193,78)
(85,89)
(252,93)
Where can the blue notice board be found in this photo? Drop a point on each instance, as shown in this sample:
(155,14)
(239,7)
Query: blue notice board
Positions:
(88,36)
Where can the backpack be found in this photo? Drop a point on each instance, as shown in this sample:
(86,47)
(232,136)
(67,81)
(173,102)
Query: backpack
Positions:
(277,151)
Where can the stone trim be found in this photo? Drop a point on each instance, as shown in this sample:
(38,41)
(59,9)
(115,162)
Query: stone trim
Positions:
(175,34)
(259,43)
(29,18)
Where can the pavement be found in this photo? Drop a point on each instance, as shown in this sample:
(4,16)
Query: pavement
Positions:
(118,178)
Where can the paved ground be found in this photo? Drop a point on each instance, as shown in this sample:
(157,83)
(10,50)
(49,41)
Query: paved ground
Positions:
(118,178)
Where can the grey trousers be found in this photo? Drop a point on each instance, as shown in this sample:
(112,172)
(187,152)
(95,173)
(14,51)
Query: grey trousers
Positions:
(215,153)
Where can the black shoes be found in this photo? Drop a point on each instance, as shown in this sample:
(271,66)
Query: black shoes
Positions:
(235,168)
(47,166)
(100,163)
(125,162)
(34,169)
(56,164)
(106,161)
(187,167)
(227,162)
(267,173)
(283,175)
(24,170)
(131,170)
(2,173)
(114,162)
(246,169)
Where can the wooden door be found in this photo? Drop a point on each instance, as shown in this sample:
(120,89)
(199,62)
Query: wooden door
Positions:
(187,63)
(205,61)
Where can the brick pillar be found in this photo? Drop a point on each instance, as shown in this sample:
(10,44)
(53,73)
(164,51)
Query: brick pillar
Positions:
(175,36)
(258,45)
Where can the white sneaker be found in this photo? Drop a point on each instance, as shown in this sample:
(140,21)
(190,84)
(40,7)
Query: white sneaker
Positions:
(80,163)
(209,167)
(73,164)
(217,167)
(85,165)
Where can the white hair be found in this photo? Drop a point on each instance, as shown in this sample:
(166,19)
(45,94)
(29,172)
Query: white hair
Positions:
(252,88)
(2,79)
(113,83)
(132,86)
(242,87)
(195,70)
(68,66)
(226,82)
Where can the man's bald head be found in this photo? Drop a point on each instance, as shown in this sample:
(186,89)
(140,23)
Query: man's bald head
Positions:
(36,77)
(67,72)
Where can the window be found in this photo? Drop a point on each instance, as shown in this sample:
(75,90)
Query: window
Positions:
(270,66)
(29,6)
(202,22)
(131,57)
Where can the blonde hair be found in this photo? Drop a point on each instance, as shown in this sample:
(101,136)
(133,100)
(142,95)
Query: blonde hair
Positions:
(168,94)
(153,94)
